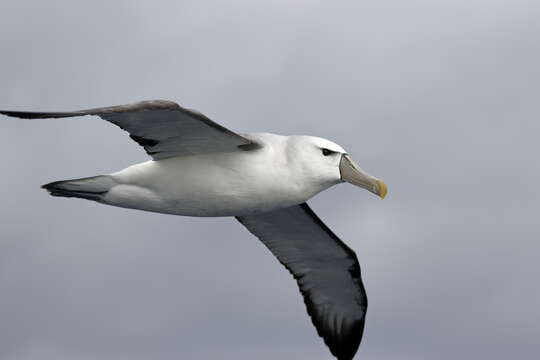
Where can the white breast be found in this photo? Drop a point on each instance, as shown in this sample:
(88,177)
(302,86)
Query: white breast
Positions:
(219,184)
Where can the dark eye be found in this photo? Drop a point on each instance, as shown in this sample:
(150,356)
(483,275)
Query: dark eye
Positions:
(327,152)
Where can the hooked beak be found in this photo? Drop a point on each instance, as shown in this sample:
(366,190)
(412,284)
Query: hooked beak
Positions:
(352,173)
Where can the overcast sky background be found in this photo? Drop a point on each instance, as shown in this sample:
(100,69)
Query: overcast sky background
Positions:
(438,98)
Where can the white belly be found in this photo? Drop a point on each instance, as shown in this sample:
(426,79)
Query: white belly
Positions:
(224,184)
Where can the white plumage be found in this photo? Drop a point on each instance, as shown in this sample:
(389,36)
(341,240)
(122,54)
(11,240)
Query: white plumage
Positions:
(232,183)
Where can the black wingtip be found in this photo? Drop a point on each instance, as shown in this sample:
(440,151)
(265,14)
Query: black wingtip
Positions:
(21,115)
(39,115)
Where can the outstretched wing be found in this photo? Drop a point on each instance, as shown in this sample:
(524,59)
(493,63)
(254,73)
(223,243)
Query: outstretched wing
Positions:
(326,270)
(162,127)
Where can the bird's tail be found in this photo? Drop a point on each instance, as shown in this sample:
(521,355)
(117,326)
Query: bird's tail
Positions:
(90,188)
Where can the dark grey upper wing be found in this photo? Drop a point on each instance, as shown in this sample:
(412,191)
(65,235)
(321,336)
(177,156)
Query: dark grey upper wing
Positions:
(163,128)
(327,272)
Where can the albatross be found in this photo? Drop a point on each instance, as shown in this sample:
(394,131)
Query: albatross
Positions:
(200,168)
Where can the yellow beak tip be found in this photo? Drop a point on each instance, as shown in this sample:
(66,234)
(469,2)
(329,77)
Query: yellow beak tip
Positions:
(383,189)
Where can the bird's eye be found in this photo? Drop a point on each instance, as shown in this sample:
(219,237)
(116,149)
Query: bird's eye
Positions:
(327,152)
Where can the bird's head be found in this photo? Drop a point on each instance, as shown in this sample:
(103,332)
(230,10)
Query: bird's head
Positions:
(325,163)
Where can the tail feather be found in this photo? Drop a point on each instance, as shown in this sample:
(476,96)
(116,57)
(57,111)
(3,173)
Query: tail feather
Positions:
(90,188)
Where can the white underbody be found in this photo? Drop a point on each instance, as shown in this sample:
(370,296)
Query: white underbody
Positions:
(216,184)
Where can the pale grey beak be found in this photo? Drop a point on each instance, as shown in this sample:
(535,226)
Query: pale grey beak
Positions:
(352,173)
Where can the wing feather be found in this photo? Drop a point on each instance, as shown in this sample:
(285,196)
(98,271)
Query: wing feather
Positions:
(325,268)
(163,128)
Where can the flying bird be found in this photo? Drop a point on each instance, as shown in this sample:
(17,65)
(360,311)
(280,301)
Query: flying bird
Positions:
(200,168)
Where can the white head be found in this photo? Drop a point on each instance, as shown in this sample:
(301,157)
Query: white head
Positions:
(324,163)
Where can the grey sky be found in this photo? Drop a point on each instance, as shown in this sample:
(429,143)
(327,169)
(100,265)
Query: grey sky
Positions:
(438,98)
